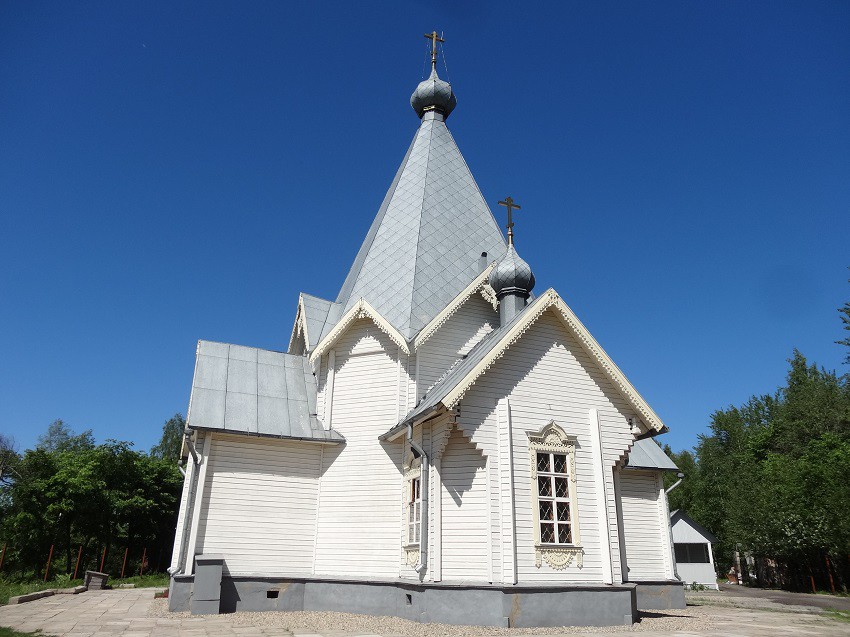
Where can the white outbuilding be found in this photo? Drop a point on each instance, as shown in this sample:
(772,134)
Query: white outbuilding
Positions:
(692,546)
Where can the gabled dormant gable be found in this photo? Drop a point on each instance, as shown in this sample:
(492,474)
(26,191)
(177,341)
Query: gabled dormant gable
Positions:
(451,389)
(361,309)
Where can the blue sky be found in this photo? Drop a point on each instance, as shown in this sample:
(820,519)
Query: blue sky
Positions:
(176,171)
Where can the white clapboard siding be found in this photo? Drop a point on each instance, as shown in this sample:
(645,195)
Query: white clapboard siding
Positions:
(642,528)
(459,334)
(548,376)
(465,531)
(259,505)
(358,529)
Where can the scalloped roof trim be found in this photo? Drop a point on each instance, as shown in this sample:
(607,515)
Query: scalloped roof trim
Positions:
(438,321)
(550,300)
(359,310)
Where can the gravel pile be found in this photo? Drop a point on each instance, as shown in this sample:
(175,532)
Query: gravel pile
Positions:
(692,619)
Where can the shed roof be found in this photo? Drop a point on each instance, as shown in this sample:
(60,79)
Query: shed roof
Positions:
(647,454)
(255,391)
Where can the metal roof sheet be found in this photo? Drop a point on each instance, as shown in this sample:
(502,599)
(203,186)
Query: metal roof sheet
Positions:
(647,454)
(320,316)
(255,391)
(425,243)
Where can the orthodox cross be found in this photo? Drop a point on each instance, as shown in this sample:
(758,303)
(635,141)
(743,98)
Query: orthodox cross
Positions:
(510,205)
(434,39)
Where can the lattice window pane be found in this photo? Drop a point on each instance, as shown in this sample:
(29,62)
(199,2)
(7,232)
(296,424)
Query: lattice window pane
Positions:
(565,535)
(560,463)
(544,486)
(563,512)
(543,462)
(562,488)
(547,533)
(545,510)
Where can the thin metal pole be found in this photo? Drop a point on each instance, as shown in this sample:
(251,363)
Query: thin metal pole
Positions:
(79,555)
(142,568)
(49,557)
(127,550)
(3,555)
(103,559)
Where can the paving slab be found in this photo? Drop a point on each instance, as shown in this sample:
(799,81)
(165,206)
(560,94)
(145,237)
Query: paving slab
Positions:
(135,613)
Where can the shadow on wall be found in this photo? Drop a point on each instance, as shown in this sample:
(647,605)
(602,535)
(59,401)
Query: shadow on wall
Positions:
(460,464)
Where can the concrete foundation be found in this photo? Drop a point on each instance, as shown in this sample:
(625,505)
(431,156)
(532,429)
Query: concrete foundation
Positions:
(477,605)
(660,595)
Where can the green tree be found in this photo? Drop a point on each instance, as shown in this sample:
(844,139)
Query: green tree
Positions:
(60,437)
(171,441)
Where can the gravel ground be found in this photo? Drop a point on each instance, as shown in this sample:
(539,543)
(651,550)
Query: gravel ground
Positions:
(691,619)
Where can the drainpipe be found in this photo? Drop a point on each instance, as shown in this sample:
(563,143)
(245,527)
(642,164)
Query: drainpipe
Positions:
(419,452)
(681,477)
(190,504)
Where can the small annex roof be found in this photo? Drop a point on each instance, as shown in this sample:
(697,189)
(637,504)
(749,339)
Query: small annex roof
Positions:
(314,319)
(451,388)
(245,390)
(683,536)
(647,454)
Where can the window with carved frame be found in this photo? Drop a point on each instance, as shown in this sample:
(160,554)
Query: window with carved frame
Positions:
(414,510)
(553,489)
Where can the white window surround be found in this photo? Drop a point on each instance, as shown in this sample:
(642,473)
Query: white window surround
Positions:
(563,545)
(412,485)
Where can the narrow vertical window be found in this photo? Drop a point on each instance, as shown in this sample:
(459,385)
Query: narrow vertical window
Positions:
(414,511)
(553,498)
(556,537)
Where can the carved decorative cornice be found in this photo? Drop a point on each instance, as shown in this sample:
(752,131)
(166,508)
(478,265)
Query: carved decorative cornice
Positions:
(558,557)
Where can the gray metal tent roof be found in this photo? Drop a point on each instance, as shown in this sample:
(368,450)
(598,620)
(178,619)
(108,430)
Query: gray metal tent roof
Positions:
(319,316)
(255,391)
(426,241)
(647,454)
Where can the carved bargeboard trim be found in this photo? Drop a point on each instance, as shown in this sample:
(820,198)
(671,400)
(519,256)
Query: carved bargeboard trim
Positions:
(551,300)
(359,310)
(454,305)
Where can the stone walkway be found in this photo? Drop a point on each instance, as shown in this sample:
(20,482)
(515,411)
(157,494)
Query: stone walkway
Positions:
(129,613)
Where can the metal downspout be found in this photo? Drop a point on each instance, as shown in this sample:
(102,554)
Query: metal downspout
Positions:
(425,489)
(190,505)
(681,477)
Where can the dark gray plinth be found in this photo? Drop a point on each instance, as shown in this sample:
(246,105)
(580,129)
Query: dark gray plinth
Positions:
(661,595)
(482,605)
(206,593)
(95,581)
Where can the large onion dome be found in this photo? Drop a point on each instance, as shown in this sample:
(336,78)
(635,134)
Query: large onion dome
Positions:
(433,94)
(512,275)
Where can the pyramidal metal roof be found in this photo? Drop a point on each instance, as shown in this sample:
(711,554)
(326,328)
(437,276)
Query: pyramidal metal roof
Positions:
(425,243)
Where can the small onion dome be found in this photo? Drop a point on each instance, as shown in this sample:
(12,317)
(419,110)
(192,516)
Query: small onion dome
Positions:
(435,94)
(512,275)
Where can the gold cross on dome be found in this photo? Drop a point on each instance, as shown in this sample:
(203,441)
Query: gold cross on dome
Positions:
(434,39)
(510,205)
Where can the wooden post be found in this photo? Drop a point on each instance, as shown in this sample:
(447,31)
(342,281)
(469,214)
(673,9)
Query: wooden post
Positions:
(812,579)
(142,567)
(127,550)
(49,557)
(79,555)
(2,556)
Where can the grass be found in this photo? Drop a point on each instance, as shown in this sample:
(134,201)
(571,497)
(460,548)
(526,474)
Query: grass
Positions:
(838,615)
(8,632)
(9,587)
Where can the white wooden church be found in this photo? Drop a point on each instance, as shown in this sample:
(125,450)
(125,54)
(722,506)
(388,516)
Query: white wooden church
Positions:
(439,442)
